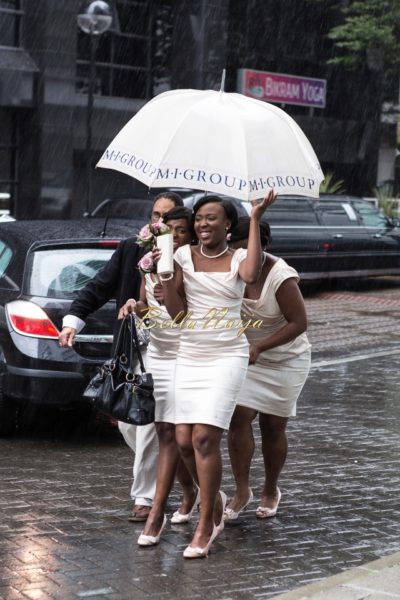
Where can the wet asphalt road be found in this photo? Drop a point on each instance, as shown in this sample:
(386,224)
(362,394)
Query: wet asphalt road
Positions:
(64,495)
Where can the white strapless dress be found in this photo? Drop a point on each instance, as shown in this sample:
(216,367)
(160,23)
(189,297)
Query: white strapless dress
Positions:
(212,358)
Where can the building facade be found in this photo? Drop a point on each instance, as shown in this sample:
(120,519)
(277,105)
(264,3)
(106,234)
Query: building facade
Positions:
(153,46)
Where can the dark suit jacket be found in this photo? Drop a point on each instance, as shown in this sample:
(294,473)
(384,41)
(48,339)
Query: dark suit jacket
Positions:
(119,279)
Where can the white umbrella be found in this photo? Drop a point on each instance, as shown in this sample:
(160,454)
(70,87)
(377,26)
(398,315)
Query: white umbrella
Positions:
(215,141)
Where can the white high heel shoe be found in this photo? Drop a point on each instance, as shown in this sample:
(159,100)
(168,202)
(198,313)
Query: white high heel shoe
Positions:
(232,515)
(178,517)
(224,499)
(263,512)
(151,540)
(196,551)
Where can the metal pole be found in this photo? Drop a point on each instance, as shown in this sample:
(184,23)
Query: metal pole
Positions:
(89,113)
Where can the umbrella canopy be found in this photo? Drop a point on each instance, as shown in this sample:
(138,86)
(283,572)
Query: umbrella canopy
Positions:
(215,141)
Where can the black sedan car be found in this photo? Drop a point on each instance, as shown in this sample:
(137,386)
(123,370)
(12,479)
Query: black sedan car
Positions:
(42,266)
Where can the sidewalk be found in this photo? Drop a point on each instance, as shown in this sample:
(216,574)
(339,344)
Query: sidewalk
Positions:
(377,580)
(64,502)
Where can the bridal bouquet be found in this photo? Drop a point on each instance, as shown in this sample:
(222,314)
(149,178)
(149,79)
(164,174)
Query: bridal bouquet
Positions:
(156,234)
(148,234)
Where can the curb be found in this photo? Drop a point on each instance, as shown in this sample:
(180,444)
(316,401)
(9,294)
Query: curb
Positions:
(380,578)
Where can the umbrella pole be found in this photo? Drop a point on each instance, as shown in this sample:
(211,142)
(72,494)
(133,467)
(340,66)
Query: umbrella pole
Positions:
(222,88)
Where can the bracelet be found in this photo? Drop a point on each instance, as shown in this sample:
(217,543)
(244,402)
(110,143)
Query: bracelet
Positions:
(170,276)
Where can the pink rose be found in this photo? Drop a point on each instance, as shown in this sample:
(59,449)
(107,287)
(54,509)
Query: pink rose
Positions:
(146,263)
(160,228)
(145,236)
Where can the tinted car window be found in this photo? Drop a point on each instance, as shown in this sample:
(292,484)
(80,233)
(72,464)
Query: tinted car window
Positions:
(5,257)
(61,273)
(291,212)
(337,214)
(369,215)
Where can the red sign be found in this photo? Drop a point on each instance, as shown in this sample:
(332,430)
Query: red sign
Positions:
(282,88)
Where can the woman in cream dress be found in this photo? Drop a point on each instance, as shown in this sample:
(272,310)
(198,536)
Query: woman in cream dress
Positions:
(160,361)
(278,367)
(205,296)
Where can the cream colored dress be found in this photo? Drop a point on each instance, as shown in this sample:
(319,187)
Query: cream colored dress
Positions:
(161,355)
(212,359)
(274,383)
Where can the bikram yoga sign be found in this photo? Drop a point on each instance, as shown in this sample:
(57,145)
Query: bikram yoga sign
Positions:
(282,88)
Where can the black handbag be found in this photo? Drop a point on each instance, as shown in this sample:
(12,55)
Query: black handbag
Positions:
(116,390)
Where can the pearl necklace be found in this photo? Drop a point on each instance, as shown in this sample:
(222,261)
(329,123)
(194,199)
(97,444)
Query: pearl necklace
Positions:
(215,255)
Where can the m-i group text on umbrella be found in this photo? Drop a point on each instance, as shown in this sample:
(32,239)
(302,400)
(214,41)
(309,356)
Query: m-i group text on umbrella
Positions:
(167,175)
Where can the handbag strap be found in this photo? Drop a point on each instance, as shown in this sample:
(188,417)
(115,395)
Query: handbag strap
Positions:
(135,342)
(120,339)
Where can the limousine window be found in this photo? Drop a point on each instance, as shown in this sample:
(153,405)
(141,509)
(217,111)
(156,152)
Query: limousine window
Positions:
(297,212)
(338,215)
(370,216)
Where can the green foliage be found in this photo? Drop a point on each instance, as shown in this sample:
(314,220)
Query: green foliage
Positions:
(329,186)
(370,26)
(387,202)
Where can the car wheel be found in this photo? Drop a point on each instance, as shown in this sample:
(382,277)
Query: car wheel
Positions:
(8,413)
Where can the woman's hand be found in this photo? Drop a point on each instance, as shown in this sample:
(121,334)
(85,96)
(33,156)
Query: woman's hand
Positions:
(127,308)
(159,293)
(259,208)
(253,355)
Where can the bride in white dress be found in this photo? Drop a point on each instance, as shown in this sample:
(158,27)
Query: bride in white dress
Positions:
(205,296)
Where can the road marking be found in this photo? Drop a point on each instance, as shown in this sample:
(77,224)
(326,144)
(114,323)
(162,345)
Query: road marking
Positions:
(338,361)
(98,592)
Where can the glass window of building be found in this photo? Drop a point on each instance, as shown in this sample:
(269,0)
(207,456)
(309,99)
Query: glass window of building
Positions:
(10,22)
(122,54)
(8,160)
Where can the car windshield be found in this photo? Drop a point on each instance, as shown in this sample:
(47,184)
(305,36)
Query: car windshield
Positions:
(59,273)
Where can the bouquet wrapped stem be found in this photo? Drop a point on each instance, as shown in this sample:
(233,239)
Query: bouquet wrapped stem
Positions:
(166,263)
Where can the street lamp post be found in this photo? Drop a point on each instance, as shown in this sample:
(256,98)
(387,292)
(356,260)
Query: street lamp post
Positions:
(94,19)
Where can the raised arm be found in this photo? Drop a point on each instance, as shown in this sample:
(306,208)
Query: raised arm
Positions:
(250,267)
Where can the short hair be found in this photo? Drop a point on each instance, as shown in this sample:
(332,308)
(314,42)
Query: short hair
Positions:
(241,231)
(181,212)
(178,212)
(227,205)
(173,196)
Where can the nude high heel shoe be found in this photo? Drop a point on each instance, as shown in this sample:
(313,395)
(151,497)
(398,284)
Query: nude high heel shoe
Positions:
(196,551)
(151,540)
(178,517)
(224,500)
(263,512)
(232,515)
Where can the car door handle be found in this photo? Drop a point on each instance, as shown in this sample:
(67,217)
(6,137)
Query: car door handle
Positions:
(97,339)
(338,236)
(377,236)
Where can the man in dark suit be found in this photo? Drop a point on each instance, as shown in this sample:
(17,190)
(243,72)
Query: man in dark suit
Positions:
(120,279)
